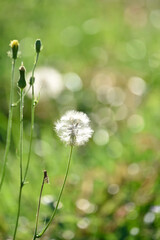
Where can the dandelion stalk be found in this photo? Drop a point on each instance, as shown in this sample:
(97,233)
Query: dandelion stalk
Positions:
(45,180)
(74,129)
(24,94)
(59,198)
(32,123)
(21,85)
(14,46)
(32,79)
(21,162)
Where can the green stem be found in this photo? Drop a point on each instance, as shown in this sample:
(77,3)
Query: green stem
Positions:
(38,209)
(9,128)
(59,198)
(32,121)
(24,94)
(21,161)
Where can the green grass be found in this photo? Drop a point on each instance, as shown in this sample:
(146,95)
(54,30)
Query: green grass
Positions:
(126,44)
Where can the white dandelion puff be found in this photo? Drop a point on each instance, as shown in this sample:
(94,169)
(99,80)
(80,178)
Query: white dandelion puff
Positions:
(49,80)
(74,128)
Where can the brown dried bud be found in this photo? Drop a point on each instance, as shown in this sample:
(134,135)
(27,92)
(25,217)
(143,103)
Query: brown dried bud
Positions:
(46,179)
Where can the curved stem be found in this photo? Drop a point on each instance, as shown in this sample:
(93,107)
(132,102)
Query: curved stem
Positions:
(45,179)
(9,128)
(21,162)
(32,121)
(59,198)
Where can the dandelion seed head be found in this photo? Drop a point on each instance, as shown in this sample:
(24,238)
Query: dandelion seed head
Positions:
(74,128)
(48,83)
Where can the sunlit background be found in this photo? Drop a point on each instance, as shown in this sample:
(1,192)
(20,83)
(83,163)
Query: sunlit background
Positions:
(101,57)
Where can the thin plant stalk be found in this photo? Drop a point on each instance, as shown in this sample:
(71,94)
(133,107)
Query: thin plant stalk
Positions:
(21,161)
(39,203)
(32,120)
(24,94)
(59,198)
(9,128)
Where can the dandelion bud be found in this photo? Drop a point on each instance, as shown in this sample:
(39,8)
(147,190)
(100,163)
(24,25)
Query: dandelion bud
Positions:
(38,45)
(22,81)
(46,179)
(31,80)
(14,45)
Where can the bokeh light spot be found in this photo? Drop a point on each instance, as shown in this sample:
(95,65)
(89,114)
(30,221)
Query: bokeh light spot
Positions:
(71,36)
(47,200)
(113,189)
(72,81)
(115,96)
(101,137)
(85,206)
(155,209)
(135,123)
(134,231)
(137,85)
(133,169)
(121,113)
(149,217)
(60,205)
(115,149)
(83,223)
(68,234)
(136,49)
(91,26)
(130,206)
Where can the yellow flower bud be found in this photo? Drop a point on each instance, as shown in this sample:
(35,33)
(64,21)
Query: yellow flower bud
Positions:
(14,45)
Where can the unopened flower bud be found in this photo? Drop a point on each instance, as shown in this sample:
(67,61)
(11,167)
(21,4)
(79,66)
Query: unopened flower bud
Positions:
(46,179)
(31,80)
(38,45)
(22,81)
(14,45)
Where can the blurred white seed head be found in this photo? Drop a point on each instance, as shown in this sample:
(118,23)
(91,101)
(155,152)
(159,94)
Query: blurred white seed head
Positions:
(74,128)
(48,83)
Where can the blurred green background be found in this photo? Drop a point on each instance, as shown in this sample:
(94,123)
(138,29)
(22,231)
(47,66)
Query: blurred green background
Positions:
(101,57)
